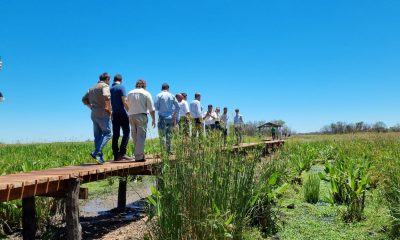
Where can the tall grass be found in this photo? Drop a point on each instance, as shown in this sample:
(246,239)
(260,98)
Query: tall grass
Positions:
(311,188)
(206,193)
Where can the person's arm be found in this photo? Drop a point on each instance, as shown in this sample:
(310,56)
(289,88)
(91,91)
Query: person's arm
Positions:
(125,102)
(108,107)
(153,119)
(151,109)
(85,100)
(107,96)
(157,104)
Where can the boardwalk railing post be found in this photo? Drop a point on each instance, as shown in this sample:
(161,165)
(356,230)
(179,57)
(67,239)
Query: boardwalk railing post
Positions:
(74,229)
(122,194)
(28,218)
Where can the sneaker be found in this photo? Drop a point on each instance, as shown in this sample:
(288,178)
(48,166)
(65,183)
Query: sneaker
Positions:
(125,157)
(98,159)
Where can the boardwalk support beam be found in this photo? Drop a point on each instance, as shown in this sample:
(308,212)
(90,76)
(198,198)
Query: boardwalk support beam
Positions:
(28,218)
(122,194)
(74,228)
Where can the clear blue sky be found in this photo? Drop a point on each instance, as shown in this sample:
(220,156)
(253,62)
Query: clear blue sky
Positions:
(307,62)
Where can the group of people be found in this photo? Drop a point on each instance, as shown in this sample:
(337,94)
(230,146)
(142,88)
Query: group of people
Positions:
(129,112)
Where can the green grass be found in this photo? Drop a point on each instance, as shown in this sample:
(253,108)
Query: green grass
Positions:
(324,221)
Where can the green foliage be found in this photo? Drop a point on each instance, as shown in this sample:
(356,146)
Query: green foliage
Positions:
(311,188)
(301,156)
(207,192)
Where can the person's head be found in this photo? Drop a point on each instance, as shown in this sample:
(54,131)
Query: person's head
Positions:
(225,110)
(210,107)
(184,95)
(179,97)
(118,78)
(141,84)
(217,110)
(237,111)
(104,77)
(197,96)
(165,87)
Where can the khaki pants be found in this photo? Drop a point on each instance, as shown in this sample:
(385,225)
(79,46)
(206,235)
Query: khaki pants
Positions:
(138,130)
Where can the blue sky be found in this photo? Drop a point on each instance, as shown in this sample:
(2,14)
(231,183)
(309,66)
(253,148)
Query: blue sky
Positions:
(307,62)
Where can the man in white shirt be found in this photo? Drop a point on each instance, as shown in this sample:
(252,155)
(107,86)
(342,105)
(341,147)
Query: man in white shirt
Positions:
(184,115)
(238,124)
(209,119)
(196,113)
(140,103)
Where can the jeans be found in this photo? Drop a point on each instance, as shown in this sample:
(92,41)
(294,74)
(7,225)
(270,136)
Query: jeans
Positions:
(165,132)
(120,121)
(102,133)
(138,129)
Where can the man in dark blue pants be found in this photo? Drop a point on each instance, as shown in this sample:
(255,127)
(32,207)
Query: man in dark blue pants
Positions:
(119,119)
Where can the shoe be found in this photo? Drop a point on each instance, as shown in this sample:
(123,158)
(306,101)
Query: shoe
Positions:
(125,157)
(99,159)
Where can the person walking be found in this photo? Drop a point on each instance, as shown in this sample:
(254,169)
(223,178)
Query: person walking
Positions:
(97,99)
(273,133)
(218,119)
(209,119)
(224,120)
(196,113)
(167,107)
(238,124)
(184,115)
(120,119)
(140,103)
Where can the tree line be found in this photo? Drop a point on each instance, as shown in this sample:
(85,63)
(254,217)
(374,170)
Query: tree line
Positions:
(343,127)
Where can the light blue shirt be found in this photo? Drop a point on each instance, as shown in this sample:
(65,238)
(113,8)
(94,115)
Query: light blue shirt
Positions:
(238,120)
(166,104)
(195,109)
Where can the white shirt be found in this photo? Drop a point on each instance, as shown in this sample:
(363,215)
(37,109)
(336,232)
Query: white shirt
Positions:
(183,108)
(140,101)
(225,119)
(195,109)
(209,120)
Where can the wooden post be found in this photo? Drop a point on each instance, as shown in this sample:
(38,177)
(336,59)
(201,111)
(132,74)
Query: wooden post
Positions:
(28,218)
(74,229)
(122,194)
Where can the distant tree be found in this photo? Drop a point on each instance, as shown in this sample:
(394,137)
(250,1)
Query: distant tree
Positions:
(379,127)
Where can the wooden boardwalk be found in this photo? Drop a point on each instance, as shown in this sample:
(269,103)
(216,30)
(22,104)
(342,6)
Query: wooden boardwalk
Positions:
(64,182)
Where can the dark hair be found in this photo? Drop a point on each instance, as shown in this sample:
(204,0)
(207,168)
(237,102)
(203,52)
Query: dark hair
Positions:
(140,83)
(196,95)
(104,76)
(225,108)
(210,105)
(237,110)
(184,95)
(165,86)
(118,78)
